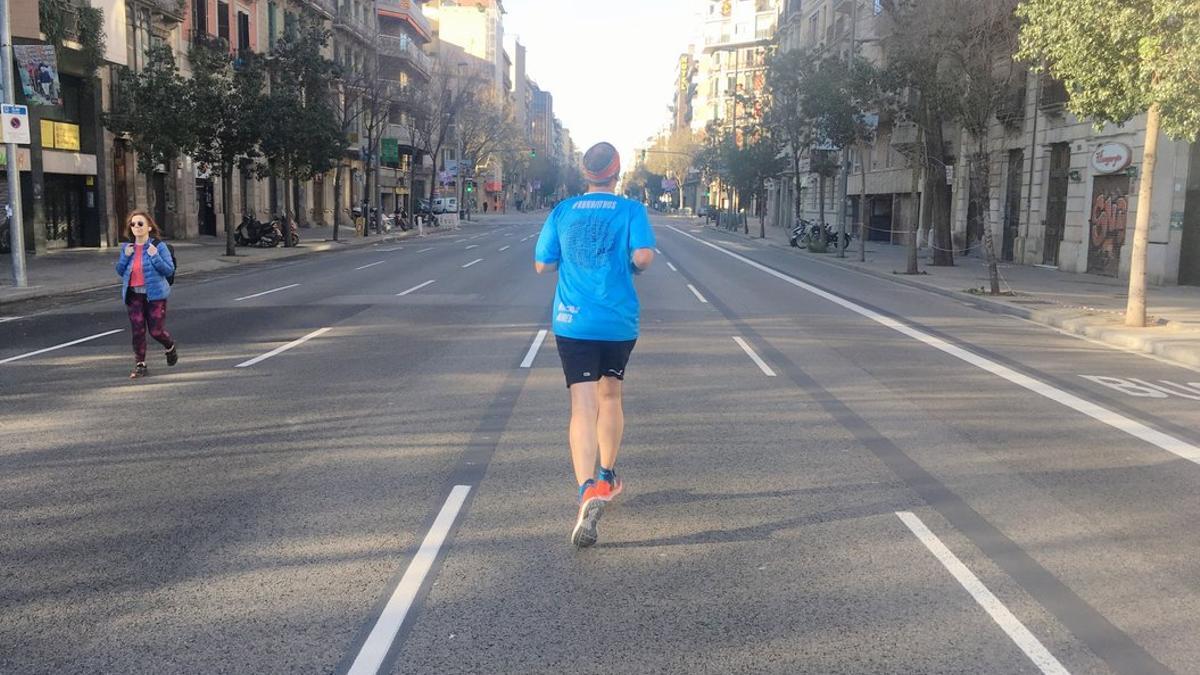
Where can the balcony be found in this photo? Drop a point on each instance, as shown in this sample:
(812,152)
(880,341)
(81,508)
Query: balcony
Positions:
(401,133)
(405,49)
(408,12)
(346,20)
(171,11)
(394,90)
(325,7)
(1054,96)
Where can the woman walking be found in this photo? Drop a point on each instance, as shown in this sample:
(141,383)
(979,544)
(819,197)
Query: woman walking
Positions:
(144,266)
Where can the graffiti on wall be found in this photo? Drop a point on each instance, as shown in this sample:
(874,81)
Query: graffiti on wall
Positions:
(1109,217)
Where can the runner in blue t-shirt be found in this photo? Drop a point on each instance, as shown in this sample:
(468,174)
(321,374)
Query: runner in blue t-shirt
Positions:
(597,242)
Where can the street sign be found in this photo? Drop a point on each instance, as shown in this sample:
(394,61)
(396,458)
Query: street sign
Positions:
(15,122)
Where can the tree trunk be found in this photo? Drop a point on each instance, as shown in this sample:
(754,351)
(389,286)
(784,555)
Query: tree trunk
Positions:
(337,198)
(762,214)
(862,203)
(935,188)
(799,184)
(821,202)
(989,249)
(227,207)
(1135,308)
(914,226)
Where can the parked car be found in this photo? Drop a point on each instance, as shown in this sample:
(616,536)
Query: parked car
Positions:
(445,205)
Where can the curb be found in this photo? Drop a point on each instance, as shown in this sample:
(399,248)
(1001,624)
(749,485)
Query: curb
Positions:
(1167,339)
(213,264)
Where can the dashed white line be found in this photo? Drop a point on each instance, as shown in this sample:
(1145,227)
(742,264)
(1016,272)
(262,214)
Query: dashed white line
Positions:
(1130,426)
(656,250)
(697,294)
(505,248)
(380,639)
(471,247)
(65,344)
(533,348)
(370,265)
(672,267)
(284,348)
(762,365)
(259,295)
(472,263)
(1016,630)
(425,249)
(6,319)
(459,241)
(389,250)
(416,288)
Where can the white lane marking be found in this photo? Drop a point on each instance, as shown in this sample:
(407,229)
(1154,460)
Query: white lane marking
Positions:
(425,249)
(370,265)
(762,365)
(672,267)
(1016,630)
(389,250)
(504,249)
(697,294)
(472,263)
(379,641)
(65,344)
(656,250)
(259,295)
(471,247)
(280,350)
(1132,427)
(6,319)
(459,241)
(533,348)
(417,287)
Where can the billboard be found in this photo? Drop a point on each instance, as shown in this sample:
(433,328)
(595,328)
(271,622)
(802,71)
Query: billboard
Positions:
(38,69)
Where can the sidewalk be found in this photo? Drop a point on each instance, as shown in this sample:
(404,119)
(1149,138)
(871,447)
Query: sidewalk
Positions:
(67,271)
(1082,304)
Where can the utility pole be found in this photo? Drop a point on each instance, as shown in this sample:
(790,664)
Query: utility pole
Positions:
(16,220)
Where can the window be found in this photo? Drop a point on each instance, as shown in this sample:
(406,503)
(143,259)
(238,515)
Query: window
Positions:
(272,28)
(200,16)
(243,31)
(223,20)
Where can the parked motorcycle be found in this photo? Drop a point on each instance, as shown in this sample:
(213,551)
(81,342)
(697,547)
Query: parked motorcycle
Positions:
(799,232)
(254,232)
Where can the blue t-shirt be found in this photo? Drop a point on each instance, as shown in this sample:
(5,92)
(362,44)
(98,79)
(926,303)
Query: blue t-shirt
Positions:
(592,238)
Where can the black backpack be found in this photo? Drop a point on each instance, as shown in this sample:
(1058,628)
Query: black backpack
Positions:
(174,260)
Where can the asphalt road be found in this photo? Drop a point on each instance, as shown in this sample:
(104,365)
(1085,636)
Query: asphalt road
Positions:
(350,470)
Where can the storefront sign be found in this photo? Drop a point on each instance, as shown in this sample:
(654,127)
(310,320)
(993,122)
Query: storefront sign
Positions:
(60,135)
(15,120)
(1111,158)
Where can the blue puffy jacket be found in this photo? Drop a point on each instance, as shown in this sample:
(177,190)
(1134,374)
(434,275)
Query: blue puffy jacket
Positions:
(156,269)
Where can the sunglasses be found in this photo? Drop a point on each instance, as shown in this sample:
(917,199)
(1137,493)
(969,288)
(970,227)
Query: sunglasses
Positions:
(139,223)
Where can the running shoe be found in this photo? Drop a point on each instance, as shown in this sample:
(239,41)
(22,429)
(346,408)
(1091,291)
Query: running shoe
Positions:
(172,355)
(591,506)
(610,485)
(139,370)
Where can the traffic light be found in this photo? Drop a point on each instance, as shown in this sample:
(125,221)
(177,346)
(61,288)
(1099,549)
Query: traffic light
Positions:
(470,186)
(532,152)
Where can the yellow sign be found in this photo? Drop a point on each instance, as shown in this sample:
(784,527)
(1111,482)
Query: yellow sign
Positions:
(66,136)
(60,135)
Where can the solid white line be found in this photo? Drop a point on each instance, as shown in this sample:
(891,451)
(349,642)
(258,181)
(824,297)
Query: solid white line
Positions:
(379,641)
(672,267)
(1016,630)
(389,250)
(504,249)
(417,287)
(371,265)
(65,344)
(259,295)
(1132,427)
(697,294)
(533,348)
(425,249)
(471,247)
(472,263)
(280,350)
(6,319)
(762,365)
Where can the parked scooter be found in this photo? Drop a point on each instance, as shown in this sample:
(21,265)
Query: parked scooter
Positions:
(254,232)
(799,231)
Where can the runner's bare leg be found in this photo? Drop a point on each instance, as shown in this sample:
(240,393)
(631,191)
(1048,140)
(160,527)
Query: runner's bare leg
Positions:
(610,424)
(582,431)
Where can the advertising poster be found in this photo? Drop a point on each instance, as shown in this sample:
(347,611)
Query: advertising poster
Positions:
(38,70)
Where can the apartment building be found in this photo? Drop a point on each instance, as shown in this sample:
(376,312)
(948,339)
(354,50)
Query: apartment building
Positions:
(404,35)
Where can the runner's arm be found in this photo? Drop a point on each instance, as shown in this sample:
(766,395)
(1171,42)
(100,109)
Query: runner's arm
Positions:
(642,257)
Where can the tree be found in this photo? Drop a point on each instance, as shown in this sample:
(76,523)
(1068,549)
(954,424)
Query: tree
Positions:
(842,99)
(152,108)
(749,167)
(435,108)
(916,53)
(226,106)
(1120,58)
(488,127)
(302,136)
(672,156)
(787,120)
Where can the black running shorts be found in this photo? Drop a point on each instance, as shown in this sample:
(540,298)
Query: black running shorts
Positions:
(589,360)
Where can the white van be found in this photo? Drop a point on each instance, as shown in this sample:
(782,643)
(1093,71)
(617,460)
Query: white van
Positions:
(445,205)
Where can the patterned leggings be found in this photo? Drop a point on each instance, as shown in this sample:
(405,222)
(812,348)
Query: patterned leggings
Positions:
(143,312)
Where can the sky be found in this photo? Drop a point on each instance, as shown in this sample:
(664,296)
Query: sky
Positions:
(610,64)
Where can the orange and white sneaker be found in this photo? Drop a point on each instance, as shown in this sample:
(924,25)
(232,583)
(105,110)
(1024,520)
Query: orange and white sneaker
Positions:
(610,485)
(591,506)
